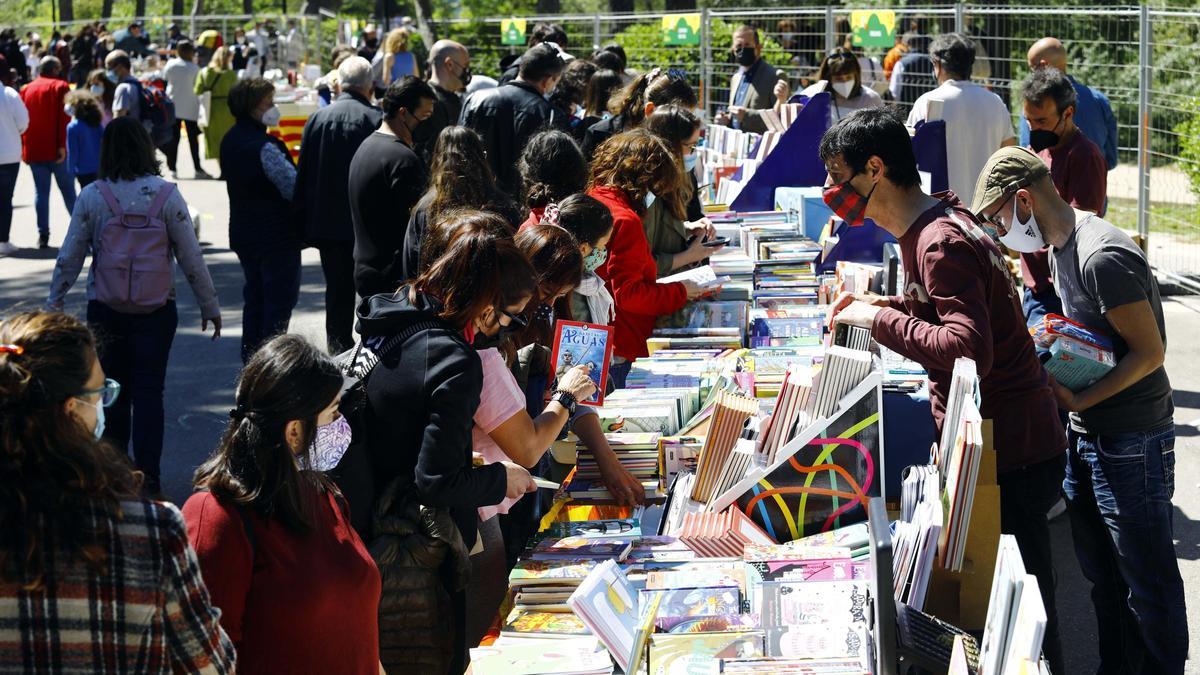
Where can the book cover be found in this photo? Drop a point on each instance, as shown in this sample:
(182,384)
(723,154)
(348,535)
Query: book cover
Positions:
(546,624)
(815,641)
(678,605)
(793,603)
(697,653)
(578,547)
(564,657)
(532,572)
(578,343)
(607,603)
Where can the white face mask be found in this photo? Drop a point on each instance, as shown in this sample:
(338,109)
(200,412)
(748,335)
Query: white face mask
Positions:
(844,88)
(272,116)
(1023,237)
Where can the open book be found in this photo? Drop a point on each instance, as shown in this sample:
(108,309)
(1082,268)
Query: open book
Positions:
(704,277)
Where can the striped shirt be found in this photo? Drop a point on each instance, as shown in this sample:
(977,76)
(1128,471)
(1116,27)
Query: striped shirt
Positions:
(148,612)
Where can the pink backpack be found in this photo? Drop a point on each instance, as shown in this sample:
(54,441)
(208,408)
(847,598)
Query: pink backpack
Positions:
(133,271)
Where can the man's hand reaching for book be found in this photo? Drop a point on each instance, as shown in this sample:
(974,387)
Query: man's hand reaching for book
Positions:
(620,483)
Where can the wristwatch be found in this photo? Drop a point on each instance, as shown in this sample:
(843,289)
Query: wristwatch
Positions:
(566,399)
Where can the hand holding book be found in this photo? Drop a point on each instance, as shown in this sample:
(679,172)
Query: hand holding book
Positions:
(578,382)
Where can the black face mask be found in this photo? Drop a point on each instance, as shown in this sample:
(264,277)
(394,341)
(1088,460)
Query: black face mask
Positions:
(1041,139)
(465,76)
(483,341)
(745,56)
(372,42)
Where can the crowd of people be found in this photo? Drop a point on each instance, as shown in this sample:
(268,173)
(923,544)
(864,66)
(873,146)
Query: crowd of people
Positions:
(355,529)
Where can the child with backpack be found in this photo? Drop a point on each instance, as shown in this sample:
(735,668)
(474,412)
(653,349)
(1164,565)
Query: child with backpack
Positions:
(135,225)
(83,136)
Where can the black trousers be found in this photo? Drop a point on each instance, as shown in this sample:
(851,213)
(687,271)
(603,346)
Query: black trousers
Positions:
(172,148)
(337,262)
(1025,496)
(270,294)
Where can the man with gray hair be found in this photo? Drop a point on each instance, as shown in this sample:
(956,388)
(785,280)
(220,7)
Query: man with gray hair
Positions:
(977,121)
(449,75)
(331,137)
(45,142)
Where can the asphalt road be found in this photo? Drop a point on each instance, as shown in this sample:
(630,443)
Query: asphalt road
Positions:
(202,373)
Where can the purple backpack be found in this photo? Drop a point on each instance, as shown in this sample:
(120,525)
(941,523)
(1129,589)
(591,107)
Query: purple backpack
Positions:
(133,271)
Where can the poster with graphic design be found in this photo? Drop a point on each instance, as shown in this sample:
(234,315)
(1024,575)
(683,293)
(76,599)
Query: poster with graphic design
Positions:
(826,482)
(577,343)
(873,28)
(681,30)
(512,31)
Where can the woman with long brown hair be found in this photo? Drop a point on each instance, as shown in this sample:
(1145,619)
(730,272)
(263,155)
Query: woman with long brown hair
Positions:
(273,534)
(630,169)
(217,78)
(93,579)
(459,178)
(638,100)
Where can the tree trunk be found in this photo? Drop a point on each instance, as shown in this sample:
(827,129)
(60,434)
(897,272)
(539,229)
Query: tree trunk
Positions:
(139,8)
(680,5)
(247,6)
(106,9)
(549,6)
(177,8)
(620,5)
(66,10)
(424,17)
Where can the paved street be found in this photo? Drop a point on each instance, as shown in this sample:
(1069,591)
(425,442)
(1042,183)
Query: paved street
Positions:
(202,373)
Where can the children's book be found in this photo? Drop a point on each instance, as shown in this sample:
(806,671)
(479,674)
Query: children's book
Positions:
(531,623)
(581,547)
(696,653)
(608,604)
(560,657)
(550,572)
(577,343)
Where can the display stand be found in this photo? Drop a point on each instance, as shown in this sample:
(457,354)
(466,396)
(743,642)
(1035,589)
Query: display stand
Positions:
(961,598)
(794,162)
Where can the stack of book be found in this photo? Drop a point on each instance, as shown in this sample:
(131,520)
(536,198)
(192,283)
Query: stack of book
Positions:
(637,453)
(915,539)
(608,604)
(721,535)
(571,656)
(843,369)
(962,474)
(1016,618)
(729,417)
(1078,355)
(791,411)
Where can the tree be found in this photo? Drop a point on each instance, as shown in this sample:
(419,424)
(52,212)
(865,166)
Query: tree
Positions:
(106,9)
(66,10)
(680,5)
(620,6)
(549,6)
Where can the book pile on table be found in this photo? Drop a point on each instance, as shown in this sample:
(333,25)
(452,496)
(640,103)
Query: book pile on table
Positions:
(637,453)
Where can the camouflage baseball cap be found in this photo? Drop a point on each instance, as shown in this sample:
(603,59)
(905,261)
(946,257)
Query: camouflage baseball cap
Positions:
(1006,171)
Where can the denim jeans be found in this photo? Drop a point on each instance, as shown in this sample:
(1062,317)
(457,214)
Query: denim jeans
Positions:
(1118,489)
(8,184)
(619,372)
(134,349)
(271,292)
(42,171)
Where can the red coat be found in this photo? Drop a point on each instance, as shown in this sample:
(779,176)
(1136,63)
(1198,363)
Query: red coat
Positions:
(535,218)
(631,275)
(47,132)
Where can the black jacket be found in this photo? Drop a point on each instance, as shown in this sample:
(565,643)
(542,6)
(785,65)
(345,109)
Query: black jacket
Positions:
(418,223)
(331,136)
(259,215)
(506,118)
(599,132)
(421,403)
(446,109)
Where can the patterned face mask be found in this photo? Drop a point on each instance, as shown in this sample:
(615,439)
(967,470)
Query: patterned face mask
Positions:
(846,203)
(330,444)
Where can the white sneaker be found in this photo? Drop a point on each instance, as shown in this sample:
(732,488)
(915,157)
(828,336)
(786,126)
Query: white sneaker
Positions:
(8,248)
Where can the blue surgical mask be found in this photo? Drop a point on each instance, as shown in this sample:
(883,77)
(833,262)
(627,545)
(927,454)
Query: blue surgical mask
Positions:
(98,89)
(99,430)
(650,199)
(593,260)
(112,76)
(690,160)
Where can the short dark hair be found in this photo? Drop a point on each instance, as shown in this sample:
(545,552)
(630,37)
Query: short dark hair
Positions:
(539,62)
(1049,82)
(551,168)
(608,61)
(49,66)
(597,98)
(614,48)
(955,53)
(873,131)
(126,151)
(548,32)
(407,93)
(585,217)
(185,49)
(245,96)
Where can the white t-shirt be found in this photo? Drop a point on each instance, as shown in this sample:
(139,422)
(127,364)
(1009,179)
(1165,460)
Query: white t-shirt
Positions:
(181,81)
(977,122)
(14,120)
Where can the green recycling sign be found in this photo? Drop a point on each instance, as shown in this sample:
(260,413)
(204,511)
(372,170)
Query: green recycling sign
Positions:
(681,30)
(512,31)
(873,28)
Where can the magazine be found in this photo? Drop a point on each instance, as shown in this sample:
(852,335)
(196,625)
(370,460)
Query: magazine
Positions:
(578,343)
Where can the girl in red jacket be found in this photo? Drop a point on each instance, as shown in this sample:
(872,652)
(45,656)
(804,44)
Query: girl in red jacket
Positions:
(629,171)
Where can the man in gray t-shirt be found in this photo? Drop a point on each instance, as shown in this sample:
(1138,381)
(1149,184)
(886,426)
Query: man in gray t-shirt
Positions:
(127,99)
(1121,443)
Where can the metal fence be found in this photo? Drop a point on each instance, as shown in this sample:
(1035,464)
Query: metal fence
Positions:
(1146,61)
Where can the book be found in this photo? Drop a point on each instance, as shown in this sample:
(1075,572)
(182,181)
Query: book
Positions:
(1076,364)
(677,605)
(577,343)
(580,547)
(608,604)
(553,572)
(1007,581)
(702,276)
(531,657)
(528,623)
(700,653)
(795,603)
(819,641)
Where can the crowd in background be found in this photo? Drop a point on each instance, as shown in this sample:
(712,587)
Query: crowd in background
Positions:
(456,217)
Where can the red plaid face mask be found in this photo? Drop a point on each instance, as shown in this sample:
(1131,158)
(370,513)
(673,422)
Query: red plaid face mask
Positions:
(846,203)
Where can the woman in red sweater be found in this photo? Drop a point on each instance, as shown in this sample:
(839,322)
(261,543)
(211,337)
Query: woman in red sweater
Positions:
(628,171)
(297,590)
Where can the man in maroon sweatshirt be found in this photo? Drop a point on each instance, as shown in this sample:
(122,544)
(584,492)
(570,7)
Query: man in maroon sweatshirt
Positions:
(958,300)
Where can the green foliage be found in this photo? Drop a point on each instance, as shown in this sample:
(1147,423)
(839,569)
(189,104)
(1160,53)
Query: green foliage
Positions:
(1188,133)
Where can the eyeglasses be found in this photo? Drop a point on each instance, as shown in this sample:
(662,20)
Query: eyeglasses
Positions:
(994,218)
(514,320)
(108,393)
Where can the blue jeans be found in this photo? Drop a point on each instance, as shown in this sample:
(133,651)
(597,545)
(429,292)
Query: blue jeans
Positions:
(617,372)
(1037,305)
(42,171)
(271,292)
(134,350)
(8,184)
(1118,489)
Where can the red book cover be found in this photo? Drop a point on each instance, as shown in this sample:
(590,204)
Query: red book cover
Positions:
(577,343)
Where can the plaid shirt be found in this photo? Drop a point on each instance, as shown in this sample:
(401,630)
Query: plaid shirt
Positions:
(148,613)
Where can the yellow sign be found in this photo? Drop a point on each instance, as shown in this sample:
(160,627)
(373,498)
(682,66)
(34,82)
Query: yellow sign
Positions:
(681,29)
(512,31)
(873,28)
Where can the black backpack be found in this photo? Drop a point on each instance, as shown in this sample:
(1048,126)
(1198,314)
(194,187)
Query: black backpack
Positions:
(157,113)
